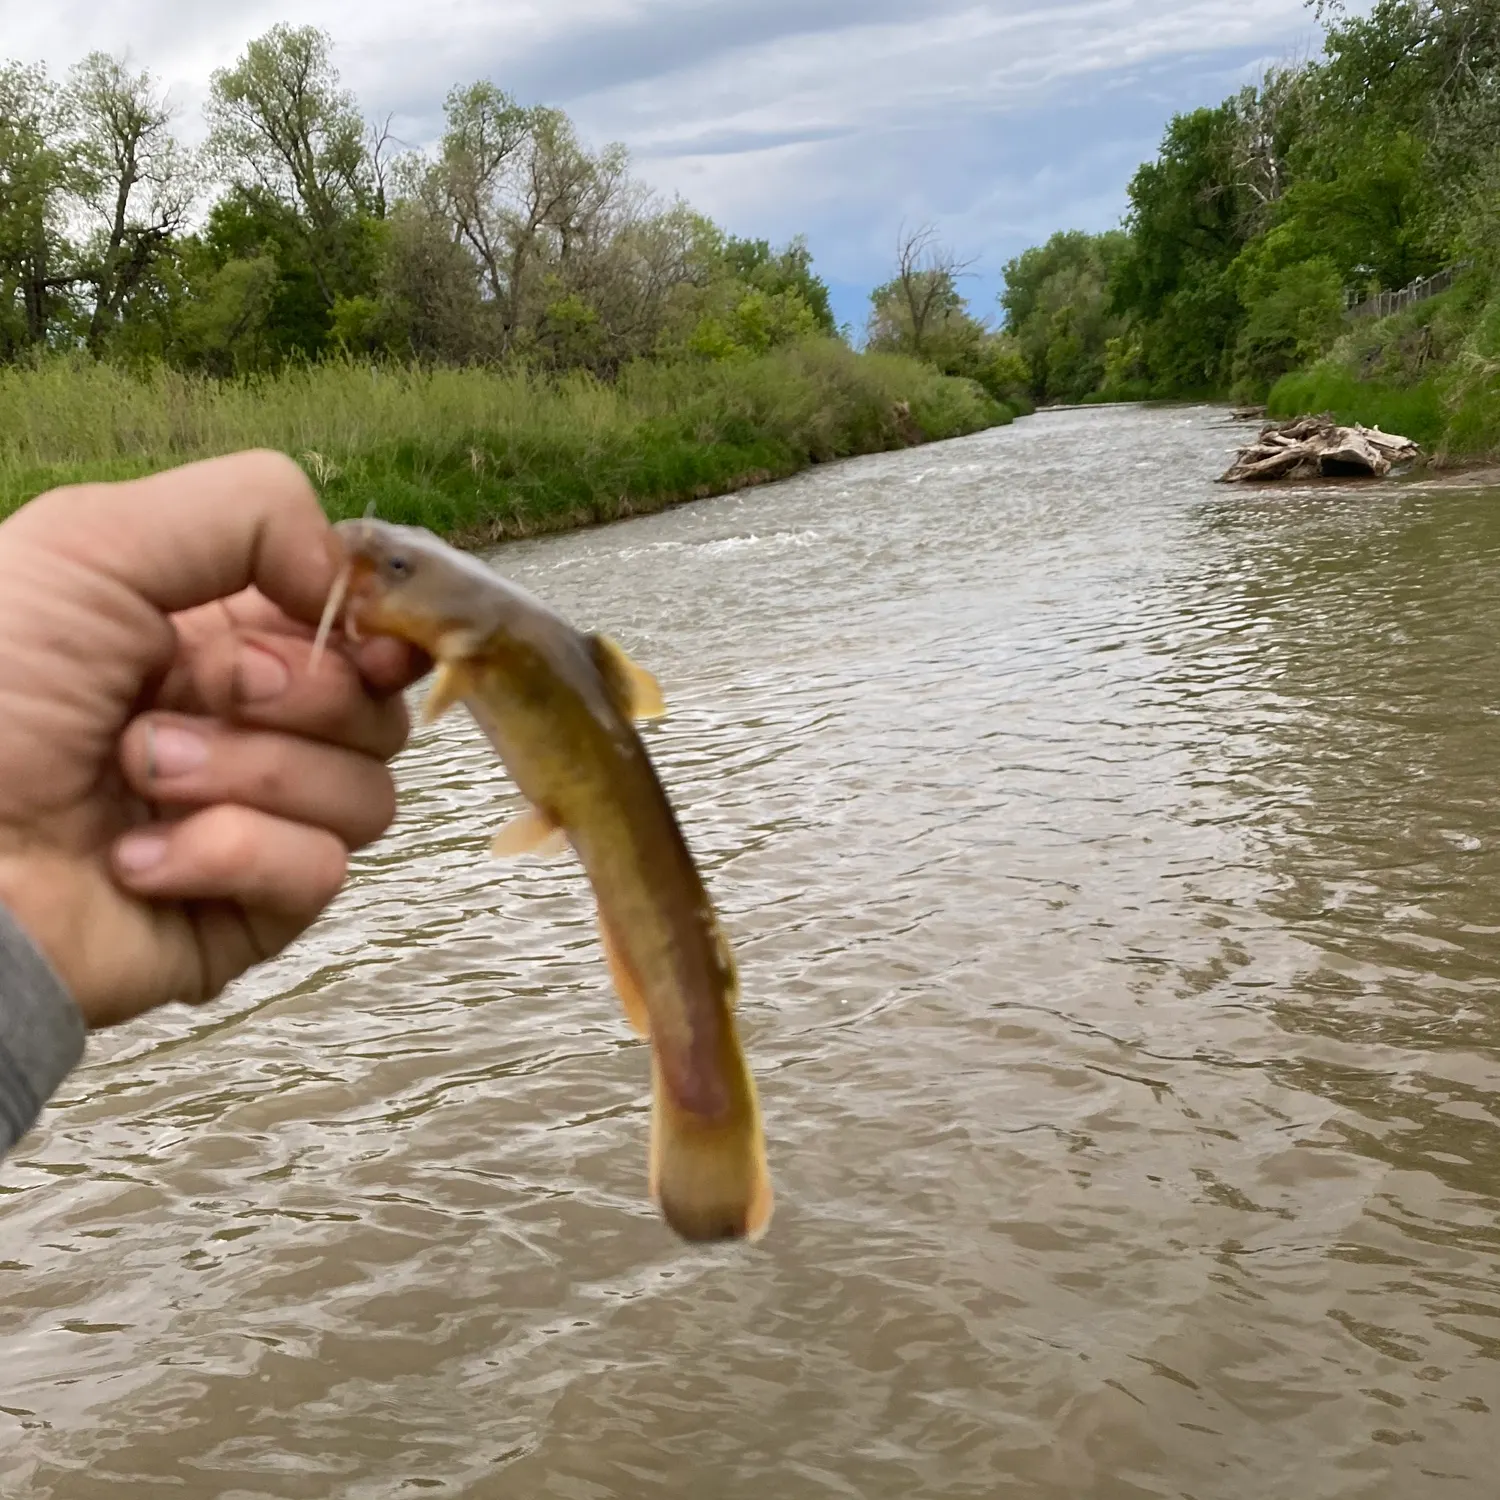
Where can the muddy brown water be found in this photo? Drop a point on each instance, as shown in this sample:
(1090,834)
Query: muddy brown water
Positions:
(1113,859)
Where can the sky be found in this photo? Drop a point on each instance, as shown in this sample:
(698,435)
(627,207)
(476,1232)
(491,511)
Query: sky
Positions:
(997,121)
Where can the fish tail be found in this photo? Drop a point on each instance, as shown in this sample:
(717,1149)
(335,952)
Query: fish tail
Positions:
(709,1177)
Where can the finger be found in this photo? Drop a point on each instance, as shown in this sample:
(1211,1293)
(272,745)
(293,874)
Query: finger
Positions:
(261,678)
(200,532)
(265,864)
(386,664)
(390,666)
(174,762)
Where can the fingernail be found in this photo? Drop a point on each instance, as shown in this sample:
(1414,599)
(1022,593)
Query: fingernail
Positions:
(259,675)
(137,852)
(173,752)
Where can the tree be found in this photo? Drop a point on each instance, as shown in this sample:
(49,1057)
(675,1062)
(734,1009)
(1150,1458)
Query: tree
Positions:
(921,303)
(40,172)
(1188,220)
(1269,121)
(1293,316)
(427,288)
(780,271)
(282,127)
(139,186)
(1057,307)
(526,197)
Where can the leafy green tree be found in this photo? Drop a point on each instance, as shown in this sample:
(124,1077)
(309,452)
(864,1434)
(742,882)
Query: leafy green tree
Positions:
(249,225)
(1057,305)
(1293,315)
(776,272)
(526,197)
(136,181)
(1188,221)
(291,139)
(41,173)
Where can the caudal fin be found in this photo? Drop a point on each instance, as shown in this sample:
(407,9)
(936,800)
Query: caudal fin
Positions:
(709,1178)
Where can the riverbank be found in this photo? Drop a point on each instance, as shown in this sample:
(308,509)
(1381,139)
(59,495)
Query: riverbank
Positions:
(1430,372)
(478,455)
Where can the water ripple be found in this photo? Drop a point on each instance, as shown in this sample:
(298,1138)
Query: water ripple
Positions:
(1110,857)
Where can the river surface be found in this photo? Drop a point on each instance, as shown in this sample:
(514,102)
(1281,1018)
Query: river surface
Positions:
(1113,861)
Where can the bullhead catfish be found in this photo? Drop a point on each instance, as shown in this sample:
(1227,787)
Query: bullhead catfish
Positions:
(560,708)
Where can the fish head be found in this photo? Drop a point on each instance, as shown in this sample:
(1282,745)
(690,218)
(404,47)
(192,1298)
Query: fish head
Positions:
(406,582)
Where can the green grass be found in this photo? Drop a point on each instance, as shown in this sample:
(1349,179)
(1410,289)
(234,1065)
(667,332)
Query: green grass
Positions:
(481,454)
(1430,372)
(1414,411)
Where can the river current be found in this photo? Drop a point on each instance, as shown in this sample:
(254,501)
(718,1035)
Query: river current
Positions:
(1113,863)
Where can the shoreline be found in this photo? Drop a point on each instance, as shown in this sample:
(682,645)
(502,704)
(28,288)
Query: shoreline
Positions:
(499,530)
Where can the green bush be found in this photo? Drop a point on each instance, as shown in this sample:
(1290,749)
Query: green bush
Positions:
(1294,316)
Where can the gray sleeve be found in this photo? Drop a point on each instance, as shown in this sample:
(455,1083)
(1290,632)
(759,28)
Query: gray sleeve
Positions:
(41,1032)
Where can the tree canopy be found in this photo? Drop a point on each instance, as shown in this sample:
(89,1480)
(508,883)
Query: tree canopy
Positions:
(299,230)
(1261,219)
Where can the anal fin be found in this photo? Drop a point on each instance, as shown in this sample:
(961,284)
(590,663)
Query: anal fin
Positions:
(529,832)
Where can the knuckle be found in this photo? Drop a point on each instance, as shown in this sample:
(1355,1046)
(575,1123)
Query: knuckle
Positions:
(135,751)
(231,836)
(391,730)
(377,809)
(327,867)
(205,675)
(267,784)
(278,472)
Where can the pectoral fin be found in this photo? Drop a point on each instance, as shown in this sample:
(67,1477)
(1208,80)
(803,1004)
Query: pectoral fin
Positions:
(631,1000)
(450,683)
(636,693)
(530,832)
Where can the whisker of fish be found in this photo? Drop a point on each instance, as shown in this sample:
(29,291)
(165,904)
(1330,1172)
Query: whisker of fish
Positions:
(330,612)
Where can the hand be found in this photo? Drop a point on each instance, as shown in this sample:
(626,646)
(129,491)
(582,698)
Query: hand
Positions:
(178,793)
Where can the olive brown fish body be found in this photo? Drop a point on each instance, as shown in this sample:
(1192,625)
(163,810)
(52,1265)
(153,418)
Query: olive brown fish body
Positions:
(559,706)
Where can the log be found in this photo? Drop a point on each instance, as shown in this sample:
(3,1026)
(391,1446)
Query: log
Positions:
(1317,445)
(1348,453)
(1397,449)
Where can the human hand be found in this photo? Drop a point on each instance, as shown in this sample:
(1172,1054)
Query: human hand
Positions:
(178,793)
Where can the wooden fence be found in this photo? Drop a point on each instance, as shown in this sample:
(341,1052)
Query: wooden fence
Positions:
(1383,304)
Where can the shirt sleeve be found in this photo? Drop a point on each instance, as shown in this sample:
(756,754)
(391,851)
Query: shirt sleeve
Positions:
(42,1032)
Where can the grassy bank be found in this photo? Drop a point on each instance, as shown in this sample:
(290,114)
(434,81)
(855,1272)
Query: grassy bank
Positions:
(1413,411)
(1431,373)
(479,454)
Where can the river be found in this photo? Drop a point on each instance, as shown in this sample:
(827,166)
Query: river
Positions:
(1113,861)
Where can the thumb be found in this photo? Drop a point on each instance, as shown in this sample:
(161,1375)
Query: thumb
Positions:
(196,533)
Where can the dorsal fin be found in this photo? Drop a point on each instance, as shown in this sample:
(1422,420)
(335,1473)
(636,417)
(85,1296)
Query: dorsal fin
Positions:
(635,692)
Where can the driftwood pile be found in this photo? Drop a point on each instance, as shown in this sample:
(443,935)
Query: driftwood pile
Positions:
(1314,446)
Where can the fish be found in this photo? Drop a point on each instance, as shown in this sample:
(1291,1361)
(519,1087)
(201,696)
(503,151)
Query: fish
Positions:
(560,707)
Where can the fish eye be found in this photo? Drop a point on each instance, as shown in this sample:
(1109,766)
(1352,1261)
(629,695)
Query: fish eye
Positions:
(398,565)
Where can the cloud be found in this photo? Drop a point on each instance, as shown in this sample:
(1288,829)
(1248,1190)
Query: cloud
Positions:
(999,120)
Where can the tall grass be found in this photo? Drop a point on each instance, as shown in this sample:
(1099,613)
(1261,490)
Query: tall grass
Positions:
(1430,372)
(1414,411)
(479,453)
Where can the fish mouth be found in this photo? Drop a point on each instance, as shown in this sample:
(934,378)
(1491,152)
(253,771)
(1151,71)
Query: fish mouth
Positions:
(359,601)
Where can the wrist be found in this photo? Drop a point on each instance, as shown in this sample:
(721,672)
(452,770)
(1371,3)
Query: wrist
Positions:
(42,1031)
(33,897)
